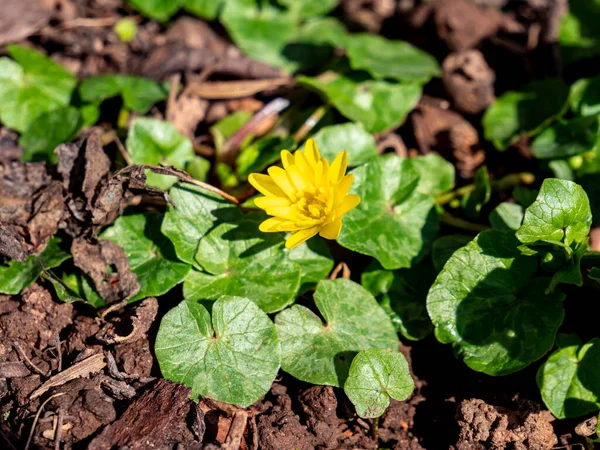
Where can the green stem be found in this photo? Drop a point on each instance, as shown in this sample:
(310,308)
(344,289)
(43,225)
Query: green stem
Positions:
(456,222)
(506,182)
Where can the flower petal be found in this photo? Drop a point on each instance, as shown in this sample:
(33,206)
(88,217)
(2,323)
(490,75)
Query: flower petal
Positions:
(276,224)
(331,230)
(338,167)
(300,236)
(350,202)
(311,151)
(306,169)
(280,177)
(341,189)
(297,178)
(271,202)
(287,159)
(265,185)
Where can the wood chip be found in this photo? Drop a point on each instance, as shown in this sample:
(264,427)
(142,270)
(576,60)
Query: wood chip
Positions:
(234,89)
(84,368)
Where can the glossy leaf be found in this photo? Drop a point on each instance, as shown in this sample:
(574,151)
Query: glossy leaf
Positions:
(197,211)
(237,259)
(31,84)
(436,175)
(475,200)
(151,255)
(486,303)
(375,376)
(379,105)
(232,356)
(525,112)
(394,222)
(569,380)
(321,353)
(16,276)
(352,137)
(152,141)
(384,58)
(507,216)
(566,138)
(139,94)
(443,248)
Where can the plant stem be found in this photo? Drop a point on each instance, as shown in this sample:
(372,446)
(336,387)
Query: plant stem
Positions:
(456,222)
(375,428)
(506,182)
(311,122)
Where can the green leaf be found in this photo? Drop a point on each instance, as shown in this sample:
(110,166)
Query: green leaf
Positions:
(197,211)
(30,86)
(394,222)
(152,141)
(309,8)
(525,196)
(375,376)
(474,201)
(16,276)
(207,9)
(585,97)
(139,94)
(63,292)
(158,9)
(352,137)
(261,30)
(47,131)
(198,168)
(225,128)
(569,380)
(151,255)
(384,58)
(379,105)
(436,175)
(402,294)
(237,259)
(579,37)
(445,246)
(315,262)
(261,154)
(232,357)
(561,213)
(321,353)
(561,169)
(524,113)
(486,304)
(507,216)
(566,138)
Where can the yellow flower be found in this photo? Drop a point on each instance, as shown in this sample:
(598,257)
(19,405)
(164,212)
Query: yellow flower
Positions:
(306,197)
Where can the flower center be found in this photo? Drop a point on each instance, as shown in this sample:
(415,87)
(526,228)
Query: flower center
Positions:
(311,202)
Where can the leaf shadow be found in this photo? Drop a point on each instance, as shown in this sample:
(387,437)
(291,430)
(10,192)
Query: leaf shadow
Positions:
(342,362)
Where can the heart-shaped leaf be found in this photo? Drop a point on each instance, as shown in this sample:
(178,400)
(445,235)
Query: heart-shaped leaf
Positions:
(196,211)
(379,105)
(31,84)
(445,246)
(151,255)
(507,216)
(314,260)
(486,304)
(237,259)
(321,353)
(375,376)
(394,222)
(566,138)
(436,175)
(569,380)
(232,357)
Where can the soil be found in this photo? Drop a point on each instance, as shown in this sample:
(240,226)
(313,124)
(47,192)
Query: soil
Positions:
(72,377)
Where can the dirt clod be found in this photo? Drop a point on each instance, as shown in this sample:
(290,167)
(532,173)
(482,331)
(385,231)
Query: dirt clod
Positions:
(490,427)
